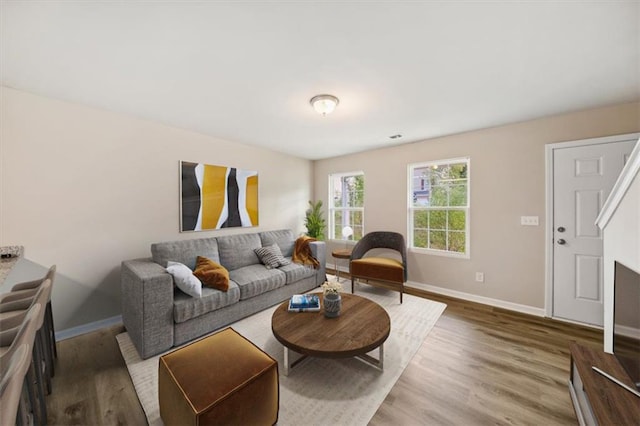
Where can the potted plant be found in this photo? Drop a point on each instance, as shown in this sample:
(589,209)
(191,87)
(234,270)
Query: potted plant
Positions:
(314,221)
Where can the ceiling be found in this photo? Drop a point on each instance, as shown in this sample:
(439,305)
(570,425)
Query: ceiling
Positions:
(245,71)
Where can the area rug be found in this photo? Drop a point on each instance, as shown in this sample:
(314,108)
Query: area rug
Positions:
(317,391)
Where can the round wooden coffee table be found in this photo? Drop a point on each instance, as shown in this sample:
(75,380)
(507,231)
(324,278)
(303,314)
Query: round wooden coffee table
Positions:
(362,326)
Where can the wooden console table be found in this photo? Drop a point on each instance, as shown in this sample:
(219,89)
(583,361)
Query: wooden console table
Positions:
(596,399)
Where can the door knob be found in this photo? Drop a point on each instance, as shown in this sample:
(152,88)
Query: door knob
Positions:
(561,242)
(561,229)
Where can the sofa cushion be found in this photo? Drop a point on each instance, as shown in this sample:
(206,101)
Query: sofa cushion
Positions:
(212,274)
(295,272)
(186,307)
(283,238)
(383,268)
(256,279)
(185,251)
(237,251)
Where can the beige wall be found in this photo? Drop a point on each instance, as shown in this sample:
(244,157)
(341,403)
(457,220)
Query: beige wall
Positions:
(507,181)
(86,188)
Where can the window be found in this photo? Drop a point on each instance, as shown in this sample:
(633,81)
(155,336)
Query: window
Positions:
(346,204)
(438,202)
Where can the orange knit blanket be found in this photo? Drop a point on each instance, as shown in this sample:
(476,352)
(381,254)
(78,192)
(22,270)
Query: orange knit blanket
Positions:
(302,252)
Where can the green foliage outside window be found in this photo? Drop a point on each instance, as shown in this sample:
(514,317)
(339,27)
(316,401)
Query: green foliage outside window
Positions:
(440,202)
(347,193)
(355,220)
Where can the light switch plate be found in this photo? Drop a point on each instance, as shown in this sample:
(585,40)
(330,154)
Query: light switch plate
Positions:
(529,220)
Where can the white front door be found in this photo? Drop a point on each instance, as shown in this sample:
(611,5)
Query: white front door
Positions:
(582,179)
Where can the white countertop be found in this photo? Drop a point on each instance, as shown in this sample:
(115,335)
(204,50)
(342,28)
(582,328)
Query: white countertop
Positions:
(6,265)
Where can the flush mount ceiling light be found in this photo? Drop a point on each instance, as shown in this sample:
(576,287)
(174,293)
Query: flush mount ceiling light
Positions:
(324,104)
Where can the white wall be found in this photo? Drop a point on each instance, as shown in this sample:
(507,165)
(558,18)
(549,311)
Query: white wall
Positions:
(507,181)
(85,189)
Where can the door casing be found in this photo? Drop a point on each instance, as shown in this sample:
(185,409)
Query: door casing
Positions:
(549,149)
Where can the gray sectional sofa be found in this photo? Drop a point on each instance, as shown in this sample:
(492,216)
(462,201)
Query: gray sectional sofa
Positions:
(159,316)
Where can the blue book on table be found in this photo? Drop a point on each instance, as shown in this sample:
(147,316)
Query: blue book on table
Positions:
(304,303)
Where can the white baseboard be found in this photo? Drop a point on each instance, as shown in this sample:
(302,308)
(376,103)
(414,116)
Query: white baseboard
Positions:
(87,328)
(525,309)
(634,333)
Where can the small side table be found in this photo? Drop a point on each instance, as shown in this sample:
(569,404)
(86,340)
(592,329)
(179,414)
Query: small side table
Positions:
(340,254)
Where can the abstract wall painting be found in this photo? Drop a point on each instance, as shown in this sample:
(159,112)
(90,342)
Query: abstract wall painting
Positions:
(216,197)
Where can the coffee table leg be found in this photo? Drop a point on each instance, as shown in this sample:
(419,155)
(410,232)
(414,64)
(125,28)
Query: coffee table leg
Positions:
(378,363)
(286,361)
(288,365)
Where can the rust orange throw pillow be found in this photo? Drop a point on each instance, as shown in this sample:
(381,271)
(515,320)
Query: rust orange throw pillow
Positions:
(212,274)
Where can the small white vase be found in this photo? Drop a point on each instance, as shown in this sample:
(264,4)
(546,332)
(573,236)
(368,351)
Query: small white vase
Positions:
(332,305)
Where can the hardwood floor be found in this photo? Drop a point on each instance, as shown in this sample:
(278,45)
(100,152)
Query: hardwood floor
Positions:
(483,365)
(91,385)
(478,366)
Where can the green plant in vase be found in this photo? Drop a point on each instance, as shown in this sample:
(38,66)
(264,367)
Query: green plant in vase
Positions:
(332,300)
(314,221)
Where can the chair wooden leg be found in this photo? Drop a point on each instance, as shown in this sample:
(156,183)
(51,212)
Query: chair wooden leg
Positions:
(46,358)
(353,286)
(35,390)
(22,416)
(52,332)
(40,382)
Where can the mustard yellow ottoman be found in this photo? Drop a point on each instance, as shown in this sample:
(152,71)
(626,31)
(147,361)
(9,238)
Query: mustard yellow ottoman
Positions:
(221,379)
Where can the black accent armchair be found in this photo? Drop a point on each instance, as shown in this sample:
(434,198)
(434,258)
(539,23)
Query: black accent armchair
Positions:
(384,269)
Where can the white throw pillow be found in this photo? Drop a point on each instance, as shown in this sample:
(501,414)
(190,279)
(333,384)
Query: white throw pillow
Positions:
(184,279)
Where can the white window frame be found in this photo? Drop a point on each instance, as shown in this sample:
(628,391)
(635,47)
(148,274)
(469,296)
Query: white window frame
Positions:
(411,208)
(332,209)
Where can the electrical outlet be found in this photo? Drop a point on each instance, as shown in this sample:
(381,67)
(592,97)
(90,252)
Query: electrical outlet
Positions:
(480,277)
(529,220)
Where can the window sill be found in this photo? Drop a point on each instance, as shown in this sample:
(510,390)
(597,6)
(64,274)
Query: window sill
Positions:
(441,253)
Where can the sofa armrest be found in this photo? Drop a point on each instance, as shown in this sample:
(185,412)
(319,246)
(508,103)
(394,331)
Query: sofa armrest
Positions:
(319,251)
(147,305)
